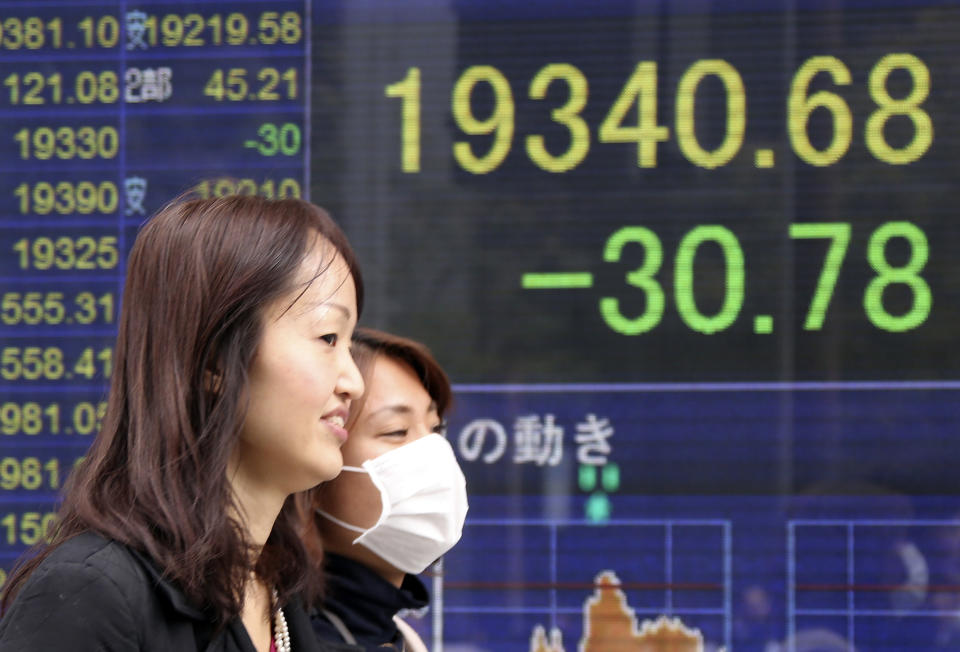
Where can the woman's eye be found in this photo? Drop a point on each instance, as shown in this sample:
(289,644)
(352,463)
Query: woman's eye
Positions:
(330,338)
(395,433)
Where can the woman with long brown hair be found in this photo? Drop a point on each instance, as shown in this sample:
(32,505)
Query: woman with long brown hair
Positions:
(233,379)
(399,504)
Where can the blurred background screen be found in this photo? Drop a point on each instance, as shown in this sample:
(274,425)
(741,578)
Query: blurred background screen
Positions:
(691,266)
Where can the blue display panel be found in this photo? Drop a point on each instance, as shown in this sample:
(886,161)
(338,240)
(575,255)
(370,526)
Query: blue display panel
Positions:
(107,111)
(692,267)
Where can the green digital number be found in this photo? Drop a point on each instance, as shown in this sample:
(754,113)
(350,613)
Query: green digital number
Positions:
(908,274)
(733,286)
(839,235)
(641,278)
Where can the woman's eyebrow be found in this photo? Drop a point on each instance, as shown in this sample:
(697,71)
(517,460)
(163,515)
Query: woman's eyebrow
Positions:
(339,307)
(403,408)
(398,408)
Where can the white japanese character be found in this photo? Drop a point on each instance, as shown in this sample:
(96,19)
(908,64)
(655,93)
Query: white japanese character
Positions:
(136,28)
(540,442)
(133,80)
(135,191)
(156,84)
(591,438)
(473,436)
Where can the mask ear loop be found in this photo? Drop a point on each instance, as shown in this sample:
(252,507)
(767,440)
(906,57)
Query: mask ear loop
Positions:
(343,524)
(384,506)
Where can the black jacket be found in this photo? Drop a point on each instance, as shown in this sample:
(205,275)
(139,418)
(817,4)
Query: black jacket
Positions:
(92,594)
(366,604)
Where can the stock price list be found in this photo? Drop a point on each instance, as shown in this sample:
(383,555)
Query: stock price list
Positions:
(107,111)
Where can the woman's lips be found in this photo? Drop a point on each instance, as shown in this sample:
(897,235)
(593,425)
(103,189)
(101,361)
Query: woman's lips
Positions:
(336,423)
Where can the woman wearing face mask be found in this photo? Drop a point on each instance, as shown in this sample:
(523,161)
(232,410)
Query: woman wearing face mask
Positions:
(232,381)
(398,505)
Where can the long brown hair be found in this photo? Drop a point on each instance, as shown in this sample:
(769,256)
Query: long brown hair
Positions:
(368,345)
(199,276)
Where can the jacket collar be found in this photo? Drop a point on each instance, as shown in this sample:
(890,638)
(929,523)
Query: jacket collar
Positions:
(207,635)
(366,602)
(169,590)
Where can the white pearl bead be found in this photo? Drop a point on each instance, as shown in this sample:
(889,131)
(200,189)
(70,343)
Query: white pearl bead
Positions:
(281,633)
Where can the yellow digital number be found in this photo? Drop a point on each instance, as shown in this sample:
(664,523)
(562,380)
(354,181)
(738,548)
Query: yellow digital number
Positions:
(28,528)
(908,106)
(12,33)
(66,253)
(193,25)
(408,90)
(195,30)
(33,36)
(640,89)
(214,86)
(89,87)
(29,473)
(87,417)
(500,122)
(271,79)
(269,188)
(34,88)
(66,197)
(39,363)
(171,30)
(92,363)
(90,308)
(291,31)
(30,33)
(237,28)
(568,115)
(103,31)
(800,106)
(33,419)
(230,86)
(269,27)
(32,308)
(31,363)
(736,113)
(45,143)
(29,418)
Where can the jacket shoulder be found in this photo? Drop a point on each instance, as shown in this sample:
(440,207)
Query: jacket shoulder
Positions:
(86,595)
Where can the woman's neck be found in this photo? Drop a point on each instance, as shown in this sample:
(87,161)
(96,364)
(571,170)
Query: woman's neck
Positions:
(257,615)
(257,506)
(257,514)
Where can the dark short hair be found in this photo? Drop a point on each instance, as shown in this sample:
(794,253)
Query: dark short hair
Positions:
(199,277)
(368,344)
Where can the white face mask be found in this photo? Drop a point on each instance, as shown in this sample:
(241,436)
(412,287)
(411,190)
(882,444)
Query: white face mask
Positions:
(424,498)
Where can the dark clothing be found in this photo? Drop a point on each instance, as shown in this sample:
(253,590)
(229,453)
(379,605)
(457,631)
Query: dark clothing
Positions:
(366,603)
(92,594)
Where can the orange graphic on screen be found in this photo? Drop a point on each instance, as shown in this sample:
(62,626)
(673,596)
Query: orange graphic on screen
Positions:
(610,625)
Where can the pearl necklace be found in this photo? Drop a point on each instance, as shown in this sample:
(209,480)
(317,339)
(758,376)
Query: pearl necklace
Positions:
(281,633)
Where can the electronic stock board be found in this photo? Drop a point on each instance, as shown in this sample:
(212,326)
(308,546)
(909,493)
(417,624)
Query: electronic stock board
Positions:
(691,265)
